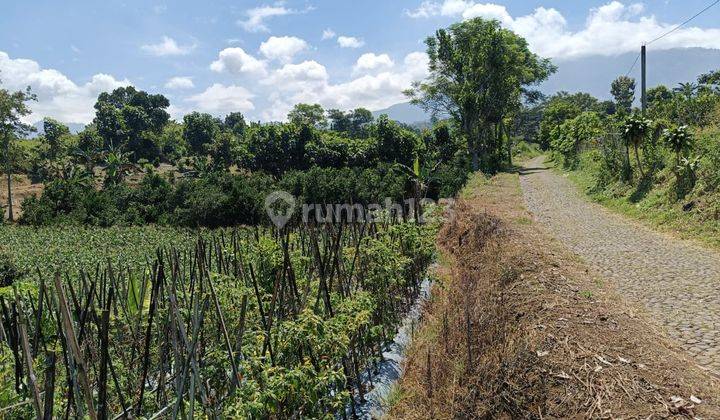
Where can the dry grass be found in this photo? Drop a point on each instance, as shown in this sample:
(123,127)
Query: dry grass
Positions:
(517,327)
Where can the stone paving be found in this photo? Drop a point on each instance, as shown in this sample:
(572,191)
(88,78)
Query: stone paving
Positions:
(678,281)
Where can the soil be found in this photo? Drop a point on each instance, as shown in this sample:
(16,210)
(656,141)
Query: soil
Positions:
(519,327)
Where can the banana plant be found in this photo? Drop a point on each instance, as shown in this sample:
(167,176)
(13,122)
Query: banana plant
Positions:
(117,166)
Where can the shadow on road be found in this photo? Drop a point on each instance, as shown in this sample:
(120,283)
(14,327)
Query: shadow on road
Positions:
(530,170)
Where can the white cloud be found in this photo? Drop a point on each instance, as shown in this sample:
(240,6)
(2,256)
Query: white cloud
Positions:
(611,29)
(167,47)
(328,34)
(372,61)
(58,96)
(350,42)
(298,76)
(237,61)
(309,82)
(282,48)
(220,99)
(256,17)
(180,83)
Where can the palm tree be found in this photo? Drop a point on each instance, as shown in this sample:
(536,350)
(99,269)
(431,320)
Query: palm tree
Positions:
(688,90)
(636,127)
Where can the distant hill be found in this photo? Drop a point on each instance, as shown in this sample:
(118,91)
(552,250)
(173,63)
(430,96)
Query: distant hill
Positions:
(74,128)
(405,113)
(595,74)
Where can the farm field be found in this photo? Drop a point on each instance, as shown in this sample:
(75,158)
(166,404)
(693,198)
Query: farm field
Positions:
(303,209)
(70,248)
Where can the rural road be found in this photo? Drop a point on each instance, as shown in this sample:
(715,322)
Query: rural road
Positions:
(678,281)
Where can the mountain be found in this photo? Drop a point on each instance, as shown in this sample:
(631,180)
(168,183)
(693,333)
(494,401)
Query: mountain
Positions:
(667,67)
(595,74)
(405,113)
(74,128)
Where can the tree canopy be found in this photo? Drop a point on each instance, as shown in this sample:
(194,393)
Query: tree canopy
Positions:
(479,72)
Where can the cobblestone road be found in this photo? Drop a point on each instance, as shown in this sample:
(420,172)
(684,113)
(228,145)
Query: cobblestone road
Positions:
(677,281)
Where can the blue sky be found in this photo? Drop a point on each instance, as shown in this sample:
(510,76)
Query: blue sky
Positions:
(262,57)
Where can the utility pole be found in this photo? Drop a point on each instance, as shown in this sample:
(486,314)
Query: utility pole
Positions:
(643,83)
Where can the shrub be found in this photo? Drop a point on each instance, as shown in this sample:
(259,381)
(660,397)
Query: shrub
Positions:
(9,271)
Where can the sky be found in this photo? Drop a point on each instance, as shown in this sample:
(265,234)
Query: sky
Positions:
(262,57)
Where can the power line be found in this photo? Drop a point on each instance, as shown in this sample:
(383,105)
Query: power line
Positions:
(684,23)
(634,64)
(637,58)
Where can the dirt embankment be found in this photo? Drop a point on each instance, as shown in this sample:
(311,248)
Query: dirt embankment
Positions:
(518,327)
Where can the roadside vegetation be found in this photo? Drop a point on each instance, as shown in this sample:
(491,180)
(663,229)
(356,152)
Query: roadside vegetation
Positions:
(518,327)
(660,166)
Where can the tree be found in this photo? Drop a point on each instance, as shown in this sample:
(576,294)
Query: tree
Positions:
(308,115)
(360,119)
(224,151)
(126,117)
(687,90)
(678,139)
(13,106)
(235,122)
(557,111)
(634,131)
(478,73)
(623,90)
(338,121)
(711,80)
(395,144)
(54,133)
(200,131)
(353,123)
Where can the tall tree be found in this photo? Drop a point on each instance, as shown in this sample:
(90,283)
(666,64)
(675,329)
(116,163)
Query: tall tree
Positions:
(13,107)
(623,90)
(308,115)
(235,122)
(54,133)
(687,90)
(200,131)
(478,74)
(128,118)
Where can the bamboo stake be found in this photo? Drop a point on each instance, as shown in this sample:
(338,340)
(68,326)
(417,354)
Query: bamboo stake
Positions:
(74,347)
(27,353)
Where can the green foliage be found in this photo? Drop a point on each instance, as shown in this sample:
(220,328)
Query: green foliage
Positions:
(9,270)
(555,113)
(126,118)
(478,72)
(395,144)
(200,131)
(623,90)
(308,115)
(634,130)
(235,122)
(567,137)
(678,140)
(353,123)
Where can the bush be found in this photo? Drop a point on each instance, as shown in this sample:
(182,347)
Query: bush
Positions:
(9,271)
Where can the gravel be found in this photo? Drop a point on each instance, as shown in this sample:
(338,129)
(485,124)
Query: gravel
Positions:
(675,279)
